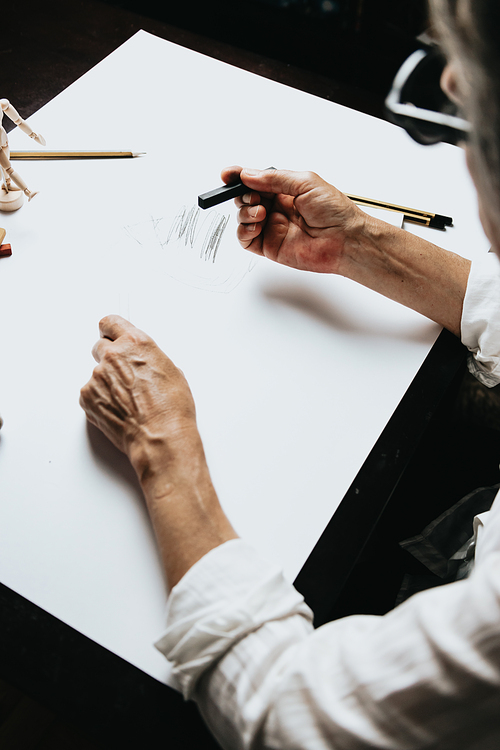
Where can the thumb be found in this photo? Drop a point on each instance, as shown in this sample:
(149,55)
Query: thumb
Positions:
(281,181)
(113,326)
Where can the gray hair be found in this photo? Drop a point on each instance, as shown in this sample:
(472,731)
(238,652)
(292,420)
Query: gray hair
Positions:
(470,30)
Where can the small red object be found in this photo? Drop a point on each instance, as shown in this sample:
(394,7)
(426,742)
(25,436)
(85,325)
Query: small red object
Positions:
(5,251)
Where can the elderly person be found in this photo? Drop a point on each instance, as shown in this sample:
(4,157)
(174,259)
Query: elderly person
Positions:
(240,638)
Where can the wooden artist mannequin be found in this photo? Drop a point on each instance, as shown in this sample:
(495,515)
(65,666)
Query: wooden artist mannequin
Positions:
(13,186)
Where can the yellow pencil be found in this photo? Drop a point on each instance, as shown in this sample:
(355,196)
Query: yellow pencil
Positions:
(28,155)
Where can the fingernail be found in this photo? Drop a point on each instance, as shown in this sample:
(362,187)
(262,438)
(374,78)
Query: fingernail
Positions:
(252,172)
(251,227)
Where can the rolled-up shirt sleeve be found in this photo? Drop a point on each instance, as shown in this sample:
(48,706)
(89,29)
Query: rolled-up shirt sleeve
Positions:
(480,329)
(228,594)
(425,675)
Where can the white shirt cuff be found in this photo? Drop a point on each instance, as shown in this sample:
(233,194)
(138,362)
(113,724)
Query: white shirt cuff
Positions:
(226,595)
(481,320)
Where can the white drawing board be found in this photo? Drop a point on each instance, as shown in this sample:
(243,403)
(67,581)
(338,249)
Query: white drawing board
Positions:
(294,375)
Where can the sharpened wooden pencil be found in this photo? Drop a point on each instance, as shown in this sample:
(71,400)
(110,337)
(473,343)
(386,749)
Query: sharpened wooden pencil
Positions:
(50,155)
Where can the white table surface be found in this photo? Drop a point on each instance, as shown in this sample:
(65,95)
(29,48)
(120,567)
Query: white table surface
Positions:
(294,375)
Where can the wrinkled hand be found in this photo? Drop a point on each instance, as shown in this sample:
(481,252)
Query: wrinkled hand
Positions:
(295,218)
(137,396)
(142,403)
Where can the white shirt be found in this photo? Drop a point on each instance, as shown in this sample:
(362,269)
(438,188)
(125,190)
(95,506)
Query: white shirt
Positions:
(481,320)
(425,675)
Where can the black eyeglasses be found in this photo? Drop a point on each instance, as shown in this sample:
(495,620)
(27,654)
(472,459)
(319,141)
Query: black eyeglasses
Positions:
(417,103)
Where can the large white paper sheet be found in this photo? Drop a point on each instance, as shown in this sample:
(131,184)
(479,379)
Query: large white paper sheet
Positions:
(294,374)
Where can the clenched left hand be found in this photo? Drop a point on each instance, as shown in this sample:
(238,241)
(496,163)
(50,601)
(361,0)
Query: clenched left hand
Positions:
(138,398)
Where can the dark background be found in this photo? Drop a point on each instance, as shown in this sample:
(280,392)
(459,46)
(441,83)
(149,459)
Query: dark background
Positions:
(358,43)
(344,50)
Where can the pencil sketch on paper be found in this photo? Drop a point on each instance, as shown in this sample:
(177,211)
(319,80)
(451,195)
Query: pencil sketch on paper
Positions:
(185,226)
(189,247)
